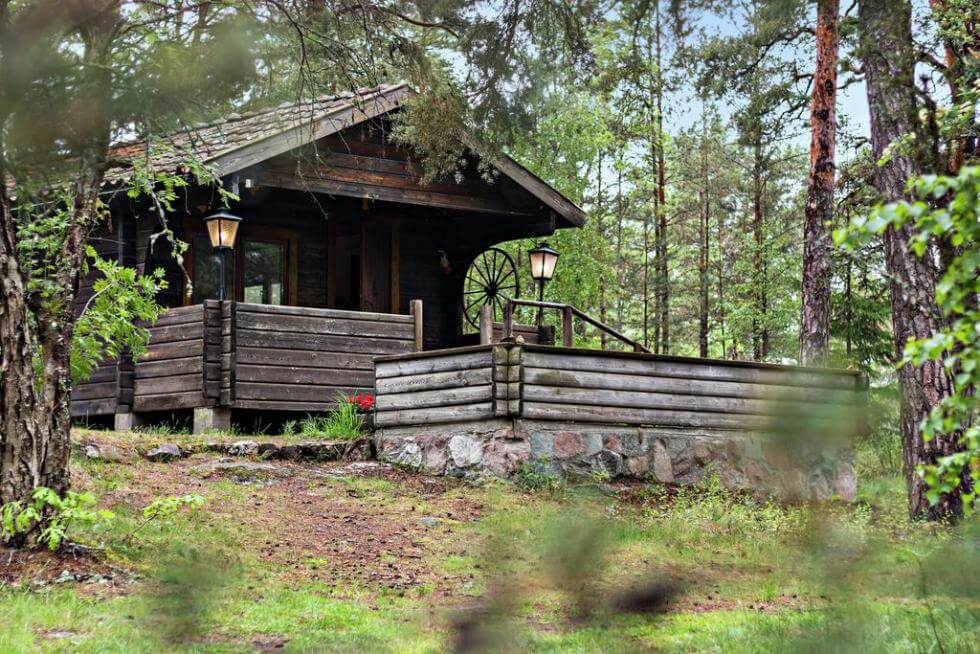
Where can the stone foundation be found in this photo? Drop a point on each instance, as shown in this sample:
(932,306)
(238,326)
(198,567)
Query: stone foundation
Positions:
(498,447)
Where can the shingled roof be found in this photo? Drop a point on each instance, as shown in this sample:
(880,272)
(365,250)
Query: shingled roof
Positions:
(292,124)
(239,141)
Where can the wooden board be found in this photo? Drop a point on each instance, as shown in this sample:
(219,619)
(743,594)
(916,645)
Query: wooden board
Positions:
(639,364)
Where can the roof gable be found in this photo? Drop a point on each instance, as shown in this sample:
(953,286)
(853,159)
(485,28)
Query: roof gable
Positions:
(240,141)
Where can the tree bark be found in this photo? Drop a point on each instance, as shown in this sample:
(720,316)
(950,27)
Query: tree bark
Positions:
(889,63)
(703,254)
(760,335)
(815,311)
(663,287)
(35,386)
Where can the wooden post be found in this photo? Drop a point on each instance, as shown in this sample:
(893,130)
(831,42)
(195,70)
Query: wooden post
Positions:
(486,325)
(508,319)
(566,326)
(416,311)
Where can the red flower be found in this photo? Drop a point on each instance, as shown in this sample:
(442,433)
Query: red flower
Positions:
(364,402)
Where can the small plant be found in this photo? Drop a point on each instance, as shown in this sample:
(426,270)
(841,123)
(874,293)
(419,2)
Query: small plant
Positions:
(344,422)
(534,476)
(363,401)
(163,508)
(290,428)
(51,515)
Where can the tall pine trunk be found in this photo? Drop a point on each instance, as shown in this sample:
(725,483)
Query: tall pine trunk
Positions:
(663,287)
(36,333)
(760,322)
(815,312)
(703,253)
(889,63)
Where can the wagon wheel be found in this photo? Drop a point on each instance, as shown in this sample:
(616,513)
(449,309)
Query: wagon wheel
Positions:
(490,280)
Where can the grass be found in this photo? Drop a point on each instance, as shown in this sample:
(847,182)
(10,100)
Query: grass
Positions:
(390,562)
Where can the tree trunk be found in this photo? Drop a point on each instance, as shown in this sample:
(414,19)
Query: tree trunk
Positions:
(663,287)
(815,312)
(759,322)
(955,57)
(704,216)
(620,267)
(889,63)
(35,338)
(646,280)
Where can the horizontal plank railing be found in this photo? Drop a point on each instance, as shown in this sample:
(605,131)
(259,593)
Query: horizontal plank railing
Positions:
(435,387)
(301,359)
(170,375)
(628,388)
(623,388)
(265,357)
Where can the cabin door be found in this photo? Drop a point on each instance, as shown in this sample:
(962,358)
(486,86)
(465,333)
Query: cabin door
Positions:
(361,270)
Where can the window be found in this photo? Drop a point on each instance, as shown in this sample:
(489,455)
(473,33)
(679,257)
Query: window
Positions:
(262,271)
(258,266)
(206,263)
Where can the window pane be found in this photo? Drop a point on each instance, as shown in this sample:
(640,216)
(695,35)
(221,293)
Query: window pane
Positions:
(206,266)
(263,274)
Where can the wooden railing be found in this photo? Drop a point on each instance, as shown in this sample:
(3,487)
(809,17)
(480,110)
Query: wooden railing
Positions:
(264,357)
(568,314)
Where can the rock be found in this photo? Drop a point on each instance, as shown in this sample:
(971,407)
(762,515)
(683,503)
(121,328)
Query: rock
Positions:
(163,453)
(405,453)
(243,448)
(104,452)
(567,445)
(465,451)
(434,454)
(430,522)
(845,485)
(609,463)
(592,444)
(637,466)
(268,451)
(242,471)
(663,469)
(542,446)
(502,457)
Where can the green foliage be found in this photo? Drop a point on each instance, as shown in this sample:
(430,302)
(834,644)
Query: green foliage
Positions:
(51,515)
(109,322)
(535,476)
(343,423)
(164,507)
(949,209)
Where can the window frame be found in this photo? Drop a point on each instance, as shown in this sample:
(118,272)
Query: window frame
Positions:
(252,232)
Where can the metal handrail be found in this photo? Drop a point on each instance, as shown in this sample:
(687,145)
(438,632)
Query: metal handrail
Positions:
(568,312)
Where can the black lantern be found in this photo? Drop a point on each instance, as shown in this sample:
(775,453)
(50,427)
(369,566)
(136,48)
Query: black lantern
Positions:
(543,259)
(222,230)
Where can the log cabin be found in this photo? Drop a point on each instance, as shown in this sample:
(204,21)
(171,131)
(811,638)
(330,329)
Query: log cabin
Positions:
(342,254)
(349,273)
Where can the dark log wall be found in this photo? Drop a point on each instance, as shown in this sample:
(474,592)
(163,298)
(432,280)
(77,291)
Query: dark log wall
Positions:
(437,387)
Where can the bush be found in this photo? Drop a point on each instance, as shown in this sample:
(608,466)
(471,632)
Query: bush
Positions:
(51,516)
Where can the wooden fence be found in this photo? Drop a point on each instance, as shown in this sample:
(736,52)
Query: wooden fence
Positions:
(574,385)
(251,356)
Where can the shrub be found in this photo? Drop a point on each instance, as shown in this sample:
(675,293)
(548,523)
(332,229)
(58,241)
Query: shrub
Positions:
(51,516)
